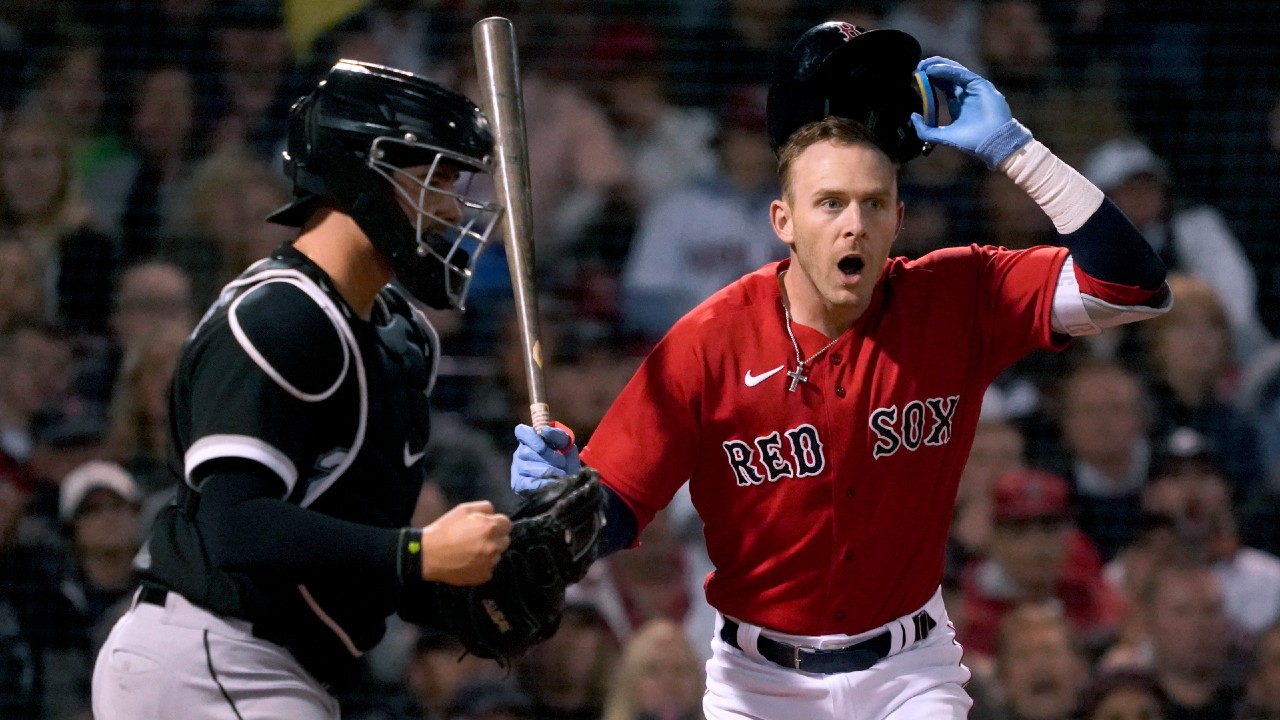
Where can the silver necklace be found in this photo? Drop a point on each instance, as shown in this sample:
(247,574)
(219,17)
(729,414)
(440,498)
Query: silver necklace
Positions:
(797,376)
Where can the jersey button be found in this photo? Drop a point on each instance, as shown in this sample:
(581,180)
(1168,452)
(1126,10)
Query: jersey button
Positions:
(848,492)
(840,616)
(835,359)
(840,391)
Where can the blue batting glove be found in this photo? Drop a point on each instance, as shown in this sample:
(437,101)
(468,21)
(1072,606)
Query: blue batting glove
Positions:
(542,458)
(982,124)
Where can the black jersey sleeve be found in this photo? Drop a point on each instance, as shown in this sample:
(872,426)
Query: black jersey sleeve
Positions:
(248,527)
(273,380)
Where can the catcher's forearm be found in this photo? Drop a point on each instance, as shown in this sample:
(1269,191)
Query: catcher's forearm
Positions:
(247,526)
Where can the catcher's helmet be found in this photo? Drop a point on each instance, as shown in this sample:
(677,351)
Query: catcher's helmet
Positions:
(349,140)
(836,68)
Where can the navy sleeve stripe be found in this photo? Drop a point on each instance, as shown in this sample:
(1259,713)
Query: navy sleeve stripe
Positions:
(1108,247)
(619,526)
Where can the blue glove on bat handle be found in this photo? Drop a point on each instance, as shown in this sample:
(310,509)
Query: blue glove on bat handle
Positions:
(982,124)
(543,457)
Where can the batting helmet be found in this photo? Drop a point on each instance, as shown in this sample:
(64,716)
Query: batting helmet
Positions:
(351,138)
(836,68)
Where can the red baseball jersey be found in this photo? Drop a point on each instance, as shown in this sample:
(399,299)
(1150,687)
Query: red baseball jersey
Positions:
(827,509)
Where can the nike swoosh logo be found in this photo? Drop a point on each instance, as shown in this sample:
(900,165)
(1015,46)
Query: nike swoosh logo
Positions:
(411,458)
(754,380)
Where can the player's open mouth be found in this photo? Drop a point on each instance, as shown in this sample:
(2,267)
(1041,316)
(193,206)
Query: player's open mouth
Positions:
(850,266)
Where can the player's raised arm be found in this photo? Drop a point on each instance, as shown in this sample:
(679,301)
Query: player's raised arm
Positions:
(1112,275)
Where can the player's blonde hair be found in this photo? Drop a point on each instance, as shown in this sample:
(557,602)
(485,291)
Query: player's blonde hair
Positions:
(841,131)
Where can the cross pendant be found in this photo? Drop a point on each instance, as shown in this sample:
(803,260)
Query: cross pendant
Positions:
(797,376)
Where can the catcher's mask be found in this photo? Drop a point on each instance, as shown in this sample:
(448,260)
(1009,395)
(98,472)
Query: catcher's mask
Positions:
(350,143)
(868,76)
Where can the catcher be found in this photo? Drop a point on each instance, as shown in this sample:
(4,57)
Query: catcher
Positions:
(299,421)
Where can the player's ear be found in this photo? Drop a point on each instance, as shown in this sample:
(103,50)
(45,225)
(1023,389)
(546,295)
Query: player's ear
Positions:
(780,217)
(902,210)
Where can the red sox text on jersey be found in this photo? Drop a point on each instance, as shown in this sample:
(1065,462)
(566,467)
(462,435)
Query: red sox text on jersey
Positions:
(768,457)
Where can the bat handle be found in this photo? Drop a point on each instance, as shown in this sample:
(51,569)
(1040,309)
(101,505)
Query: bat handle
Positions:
(541,414)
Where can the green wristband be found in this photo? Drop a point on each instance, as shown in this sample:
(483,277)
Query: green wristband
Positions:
(409,554)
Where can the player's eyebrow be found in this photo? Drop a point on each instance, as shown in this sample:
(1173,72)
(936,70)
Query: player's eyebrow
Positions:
(845,191)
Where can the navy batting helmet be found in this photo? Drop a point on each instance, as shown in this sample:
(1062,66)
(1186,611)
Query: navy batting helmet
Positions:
(840,69)
(351,138)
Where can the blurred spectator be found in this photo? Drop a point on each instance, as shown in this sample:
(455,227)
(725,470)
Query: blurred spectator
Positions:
(568,675)
(21,297)
(1016,48)
(998,448)
(138,415)
(41,206)
(1190,492)
(1155,545)
(150,293)
(1040,664)
(704,235)
(1020,54)
(69,83)
(34,363)
(44,654)
(592,364)
(1190,355)
(668,145)
(465,464)
(1188,642)
(221,223)
(575,160)
(438,671)
(25,30)
(1011,218)
(99,508)
(1242,177)
(1036,557)
(137,195)
(489,700)
(66,436)
(944,27)
(255,72)
(1124,694)
(351,38)
(734,43)
(1104,414)
(1262,686)
(656,584)
(659,677)
(863,13)
(414,36)
(1190,237)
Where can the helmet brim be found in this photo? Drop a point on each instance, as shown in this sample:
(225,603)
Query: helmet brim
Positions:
(297,212)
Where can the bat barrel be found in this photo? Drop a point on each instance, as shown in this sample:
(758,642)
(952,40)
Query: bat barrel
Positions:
(493,40)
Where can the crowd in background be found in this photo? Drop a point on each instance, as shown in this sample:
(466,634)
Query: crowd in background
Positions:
(1114,549)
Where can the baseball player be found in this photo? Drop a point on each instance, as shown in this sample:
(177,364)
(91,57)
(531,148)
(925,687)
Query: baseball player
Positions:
(822,407)
(299,421)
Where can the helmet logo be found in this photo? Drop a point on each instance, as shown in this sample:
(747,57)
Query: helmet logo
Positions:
(848,30)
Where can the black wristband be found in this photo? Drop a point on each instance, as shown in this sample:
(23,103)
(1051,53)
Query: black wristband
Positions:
(409,555)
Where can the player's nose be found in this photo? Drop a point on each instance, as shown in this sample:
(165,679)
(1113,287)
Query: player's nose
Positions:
(853,225)
(449,209)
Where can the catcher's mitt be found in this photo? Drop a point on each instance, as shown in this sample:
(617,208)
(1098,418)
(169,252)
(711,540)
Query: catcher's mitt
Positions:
(554,535)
